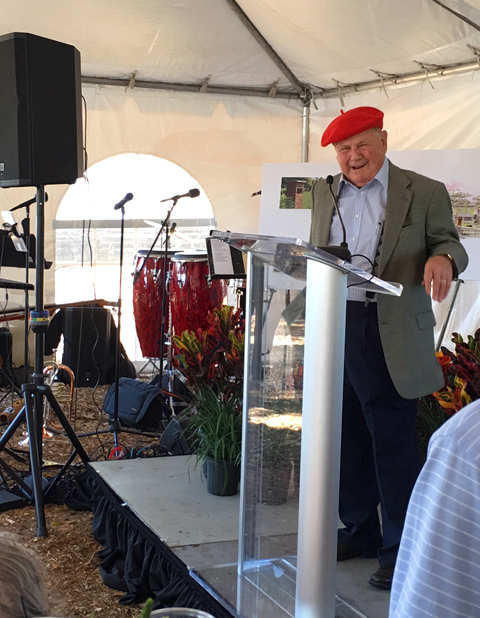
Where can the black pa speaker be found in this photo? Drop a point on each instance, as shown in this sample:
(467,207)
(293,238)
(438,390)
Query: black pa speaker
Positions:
(175,438)
(40,111)
(88,346)
(6,373)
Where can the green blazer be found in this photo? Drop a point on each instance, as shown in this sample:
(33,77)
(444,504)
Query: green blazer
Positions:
(418,224)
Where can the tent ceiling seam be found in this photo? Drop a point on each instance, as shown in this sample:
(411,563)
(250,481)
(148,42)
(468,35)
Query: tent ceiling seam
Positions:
(265,45)
(459,15)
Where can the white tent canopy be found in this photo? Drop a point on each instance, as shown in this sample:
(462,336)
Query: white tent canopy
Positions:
(227,82)
(189,41)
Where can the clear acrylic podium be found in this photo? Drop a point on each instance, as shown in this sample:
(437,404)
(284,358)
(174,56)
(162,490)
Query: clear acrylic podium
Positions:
(292,405)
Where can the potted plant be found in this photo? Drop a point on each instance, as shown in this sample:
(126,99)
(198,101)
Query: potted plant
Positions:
(216,430)
(279,438)
(212,362)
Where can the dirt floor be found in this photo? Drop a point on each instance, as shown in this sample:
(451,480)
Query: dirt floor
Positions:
(69,552)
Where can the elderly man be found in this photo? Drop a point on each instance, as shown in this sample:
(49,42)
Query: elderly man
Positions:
(399,225)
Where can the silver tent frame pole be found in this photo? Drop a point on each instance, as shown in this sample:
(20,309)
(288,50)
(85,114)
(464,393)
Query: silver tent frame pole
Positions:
(305,131)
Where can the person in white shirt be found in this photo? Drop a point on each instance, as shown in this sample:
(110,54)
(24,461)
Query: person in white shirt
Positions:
(437,574)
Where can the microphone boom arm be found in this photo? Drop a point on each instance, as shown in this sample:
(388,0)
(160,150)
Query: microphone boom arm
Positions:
(341,251)
(165,225)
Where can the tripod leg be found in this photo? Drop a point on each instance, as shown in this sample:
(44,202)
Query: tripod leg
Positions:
(47,392)
(36,464)
(18,479)
(12,428)
(60,474)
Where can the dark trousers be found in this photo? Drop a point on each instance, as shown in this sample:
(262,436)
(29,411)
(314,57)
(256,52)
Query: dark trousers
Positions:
(379,456)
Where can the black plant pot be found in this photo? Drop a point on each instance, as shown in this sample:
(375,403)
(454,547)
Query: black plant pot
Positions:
(222,477)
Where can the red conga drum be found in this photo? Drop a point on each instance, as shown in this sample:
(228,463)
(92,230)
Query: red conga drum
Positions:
(192,294)
(147,301)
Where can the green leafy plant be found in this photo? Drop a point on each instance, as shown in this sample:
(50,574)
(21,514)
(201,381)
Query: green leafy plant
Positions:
(430,416)
(216,427)
(279,445)
(279,435)
(212,362)
(147,609)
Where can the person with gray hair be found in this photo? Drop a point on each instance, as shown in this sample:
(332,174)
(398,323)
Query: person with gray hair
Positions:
(22,587)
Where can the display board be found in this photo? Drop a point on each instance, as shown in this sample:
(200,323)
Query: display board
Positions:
(285,208)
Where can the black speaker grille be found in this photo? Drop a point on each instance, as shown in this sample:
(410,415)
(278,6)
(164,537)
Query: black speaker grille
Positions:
(23,110)
(88,345)
(8,121)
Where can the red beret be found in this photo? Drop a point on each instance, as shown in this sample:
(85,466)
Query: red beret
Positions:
(351,123)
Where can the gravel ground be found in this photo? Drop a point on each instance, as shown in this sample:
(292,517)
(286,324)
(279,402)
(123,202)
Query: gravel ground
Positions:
(69,552)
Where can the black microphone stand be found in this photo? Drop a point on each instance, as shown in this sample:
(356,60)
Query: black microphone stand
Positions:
(116,426)
(342,251)
(26,239)
(165,226)
(26,231)
(26,236)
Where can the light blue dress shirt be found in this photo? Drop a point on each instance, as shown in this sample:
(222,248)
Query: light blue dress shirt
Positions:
(363,214)
(437,574)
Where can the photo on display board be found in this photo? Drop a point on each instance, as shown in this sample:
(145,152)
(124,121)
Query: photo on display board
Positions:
(466,210)
(296,193)
(457,169)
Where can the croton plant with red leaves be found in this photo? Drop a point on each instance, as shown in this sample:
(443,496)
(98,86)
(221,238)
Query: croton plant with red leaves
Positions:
(214,356)
(461,370)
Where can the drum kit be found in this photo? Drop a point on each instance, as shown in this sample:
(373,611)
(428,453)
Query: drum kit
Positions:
(190,295)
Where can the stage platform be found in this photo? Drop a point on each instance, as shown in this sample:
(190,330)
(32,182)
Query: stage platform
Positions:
(169,496)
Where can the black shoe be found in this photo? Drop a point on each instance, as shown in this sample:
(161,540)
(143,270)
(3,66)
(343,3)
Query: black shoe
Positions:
(383,577)
(345,552)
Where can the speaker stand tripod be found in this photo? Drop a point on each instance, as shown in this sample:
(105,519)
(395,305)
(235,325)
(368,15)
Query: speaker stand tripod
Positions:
(35,393)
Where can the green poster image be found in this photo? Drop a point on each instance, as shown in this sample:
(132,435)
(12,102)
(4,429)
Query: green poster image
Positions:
(296,193)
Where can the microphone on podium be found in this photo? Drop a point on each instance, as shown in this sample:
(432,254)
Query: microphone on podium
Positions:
(342,251)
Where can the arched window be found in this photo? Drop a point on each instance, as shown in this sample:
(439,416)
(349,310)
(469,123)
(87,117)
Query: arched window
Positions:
(87,229)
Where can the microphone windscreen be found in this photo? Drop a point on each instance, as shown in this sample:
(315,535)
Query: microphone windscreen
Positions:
(329,179)
(194,193)
(129,197)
